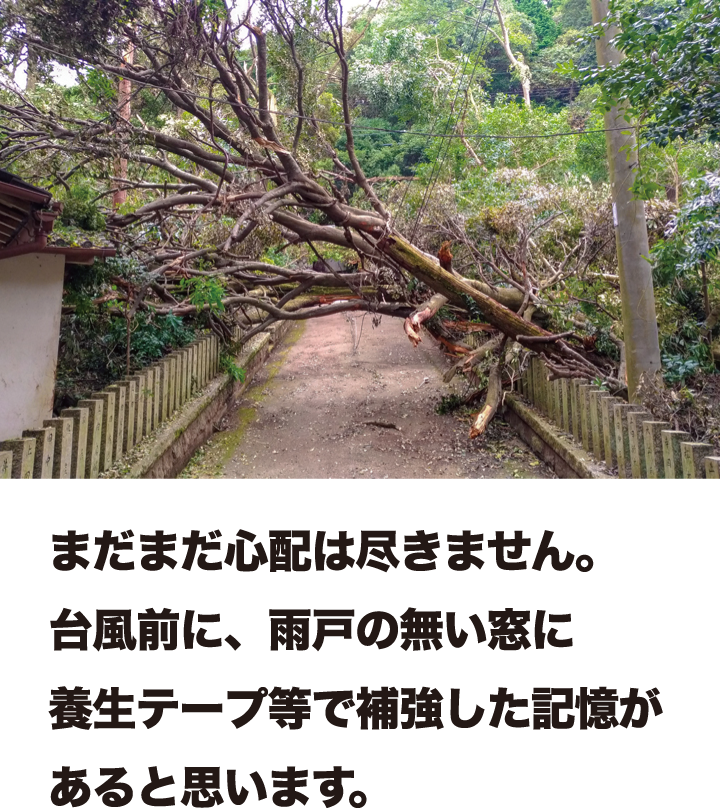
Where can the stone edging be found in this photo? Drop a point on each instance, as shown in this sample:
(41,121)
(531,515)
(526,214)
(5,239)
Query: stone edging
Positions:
(596,434)
(167,451)
(565,458)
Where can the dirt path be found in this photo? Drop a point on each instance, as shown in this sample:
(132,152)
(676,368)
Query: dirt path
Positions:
(345,400)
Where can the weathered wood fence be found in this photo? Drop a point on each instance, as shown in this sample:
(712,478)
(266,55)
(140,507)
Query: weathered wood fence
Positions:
(89,439)
(624,436)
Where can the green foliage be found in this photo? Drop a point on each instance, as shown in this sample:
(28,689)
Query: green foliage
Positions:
(82,284)
(451,22)
(227,365)
(127,268)
(213,10)
(446,313)
(605,346)
(406,70)
(81,210)
(572,15)
(550,87)
(328,108)
(276,256)
(389,74)
(385,154)
(203,291)
(684,356)
(694,234)
(81,27)
(100,85)
(153,108)
(476,316)
(687,270)
(546,29)
(671,74)
(93,337)
(151,337)
(591,154)
(449,403)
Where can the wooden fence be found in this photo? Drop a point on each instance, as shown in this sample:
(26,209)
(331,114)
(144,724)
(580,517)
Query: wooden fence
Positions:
(90,438)
(624,436)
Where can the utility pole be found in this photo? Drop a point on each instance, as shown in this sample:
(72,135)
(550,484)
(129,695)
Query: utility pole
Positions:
(642,349)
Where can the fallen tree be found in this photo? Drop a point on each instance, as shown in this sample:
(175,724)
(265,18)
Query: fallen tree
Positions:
(238,167)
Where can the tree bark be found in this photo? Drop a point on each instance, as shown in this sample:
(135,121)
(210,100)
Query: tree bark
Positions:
(492,401)
(640,330)
(124,112)
(455,288)
(467,363)
(421,315)
(522,69)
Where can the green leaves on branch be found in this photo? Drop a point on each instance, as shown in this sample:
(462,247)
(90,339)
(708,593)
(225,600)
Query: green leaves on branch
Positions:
(546,29)
(203,292)
(100,85)
(687,268)
(80,209)
(227,365)
(670,77)
(80,27)
(693,238)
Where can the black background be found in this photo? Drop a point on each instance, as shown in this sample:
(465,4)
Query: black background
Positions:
(622,622)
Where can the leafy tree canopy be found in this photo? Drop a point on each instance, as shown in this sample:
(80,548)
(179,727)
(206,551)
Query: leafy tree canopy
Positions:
(79,26)
(546,29)
(671,74)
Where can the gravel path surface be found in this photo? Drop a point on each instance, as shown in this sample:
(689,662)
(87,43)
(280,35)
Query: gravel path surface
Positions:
(346,400)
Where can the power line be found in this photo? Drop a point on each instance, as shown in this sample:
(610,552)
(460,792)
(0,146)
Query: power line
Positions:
(433,178)
(355,127)
(447,149)
(452,108)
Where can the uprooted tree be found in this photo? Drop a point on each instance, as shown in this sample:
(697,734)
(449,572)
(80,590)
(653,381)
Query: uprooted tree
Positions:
(250,151)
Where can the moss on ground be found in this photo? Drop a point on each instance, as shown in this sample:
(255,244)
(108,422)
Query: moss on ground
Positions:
(212,457)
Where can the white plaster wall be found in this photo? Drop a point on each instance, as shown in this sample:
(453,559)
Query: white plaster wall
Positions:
(30,302)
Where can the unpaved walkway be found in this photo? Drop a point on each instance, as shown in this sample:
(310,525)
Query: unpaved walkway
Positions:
(346,400)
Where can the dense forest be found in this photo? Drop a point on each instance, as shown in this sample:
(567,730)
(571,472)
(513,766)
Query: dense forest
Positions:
(441,161)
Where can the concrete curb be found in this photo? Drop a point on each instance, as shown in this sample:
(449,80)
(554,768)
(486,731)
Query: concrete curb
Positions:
(169,448)
(566,459)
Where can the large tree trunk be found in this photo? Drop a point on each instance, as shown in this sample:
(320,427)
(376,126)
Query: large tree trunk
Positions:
(561,358)
(454,288)
(640,331)
(124,112)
